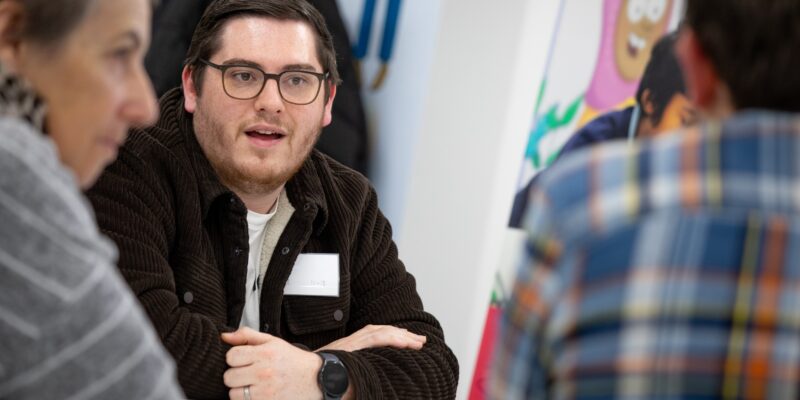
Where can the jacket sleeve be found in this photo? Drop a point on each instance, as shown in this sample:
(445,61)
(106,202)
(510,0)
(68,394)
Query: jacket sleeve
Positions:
(135,208)
(384,293)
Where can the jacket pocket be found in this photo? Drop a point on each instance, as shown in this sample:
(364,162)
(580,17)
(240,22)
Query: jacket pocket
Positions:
(314,314)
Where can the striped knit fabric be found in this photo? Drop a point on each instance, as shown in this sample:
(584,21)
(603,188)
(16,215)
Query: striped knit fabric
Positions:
(668,269)
(70,326)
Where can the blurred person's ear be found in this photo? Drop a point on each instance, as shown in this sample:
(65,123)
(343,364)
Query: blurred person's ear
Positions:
(11,19)
(648,108)
(703,85)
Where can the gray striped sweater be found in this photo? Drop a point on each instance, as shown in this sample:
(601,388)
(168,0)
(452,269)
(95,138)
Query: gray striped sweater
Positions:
(70,327)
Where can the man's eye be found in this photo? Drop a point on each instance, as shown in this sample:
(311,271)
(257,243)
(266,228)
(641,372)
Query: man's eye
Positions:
(297,80)
(243,76)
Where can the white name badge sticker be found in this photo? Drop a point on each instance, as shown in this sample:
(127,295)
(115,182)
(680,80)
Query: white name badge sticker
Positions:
(314,275)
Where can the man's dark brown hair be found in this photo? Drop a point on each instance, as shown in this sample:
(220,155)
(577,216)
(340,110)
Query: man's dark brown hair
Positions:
(206,38)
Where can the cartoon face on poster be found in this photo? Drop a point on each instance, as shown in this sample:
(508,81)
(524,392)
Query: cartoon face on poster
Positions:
(630,29)
(639,25)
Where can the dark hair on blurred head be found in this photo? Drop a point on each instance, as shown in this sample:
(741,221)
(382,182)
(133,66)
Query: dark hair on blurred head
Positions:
(662,77)
(206,38)
(755,47)
(48,22)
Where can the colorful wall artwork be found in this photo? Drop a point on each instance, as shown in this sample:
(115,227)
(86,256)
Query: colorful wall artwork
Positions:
(590,73)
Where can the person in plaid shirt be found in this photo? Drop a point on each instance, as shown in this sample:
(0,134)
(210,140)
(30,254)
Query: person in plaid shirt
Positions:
(670,268)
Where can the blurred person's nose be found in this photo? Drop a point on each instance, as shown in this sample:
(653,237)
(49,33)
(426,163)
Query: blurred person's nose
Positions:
(141,107)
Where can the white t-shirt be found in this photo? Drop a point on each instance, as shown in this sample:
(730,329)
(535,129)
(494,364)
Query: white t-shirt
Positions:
(256,225)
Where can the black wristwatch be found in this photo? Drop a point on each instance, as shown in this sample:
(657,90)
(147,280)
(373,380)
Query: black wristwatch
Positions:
(332,377)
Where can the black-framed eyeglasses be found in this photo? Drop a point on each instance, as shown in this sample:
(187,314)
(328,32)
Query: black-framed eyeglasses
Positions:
(244,82)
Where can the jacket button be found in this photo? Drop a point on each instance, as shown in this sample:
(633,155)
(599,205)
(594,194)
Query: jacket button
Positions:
(237,251)
(266,327)
(338,315)
(285,251)
(232,200)
(188,297)
(307,207)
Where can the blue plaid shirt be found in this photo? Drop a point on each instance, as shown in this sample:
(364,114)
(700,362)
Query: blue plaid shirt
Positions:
(665,269)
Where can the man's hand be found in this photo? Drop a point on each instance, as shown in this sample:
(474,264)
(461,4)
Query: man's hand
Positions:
(372,336)
(275,369)
(271,367)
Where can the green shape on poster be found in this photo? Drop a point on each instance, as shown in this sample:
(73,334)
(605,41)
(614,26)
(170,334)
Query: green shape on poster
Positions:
(548,123)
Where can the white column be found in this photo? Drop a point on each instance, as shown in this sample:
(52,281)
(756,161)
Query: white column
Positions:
(489,61)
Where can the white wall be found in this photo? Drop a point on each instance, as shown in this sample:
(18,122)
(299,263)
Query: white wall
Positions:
(488,62)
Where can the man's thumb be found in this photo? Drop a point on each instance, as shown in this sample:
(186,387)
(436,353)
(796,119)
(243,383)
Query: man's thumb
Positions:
(245,336)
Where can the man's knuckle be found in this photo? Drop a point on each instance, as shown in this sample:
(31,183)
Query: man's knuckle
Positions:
(264,374)
(230,356)
(264,352)
(226,377)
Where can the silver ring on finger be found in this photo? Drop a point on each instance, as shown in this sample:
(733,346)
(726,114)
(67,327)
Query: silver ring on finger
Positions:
(246,391)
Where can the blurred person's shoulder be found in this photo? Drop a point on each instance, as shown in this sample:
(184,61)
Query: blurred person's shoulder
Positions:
(604,185)
(47,221)
(609,126)
(35,181)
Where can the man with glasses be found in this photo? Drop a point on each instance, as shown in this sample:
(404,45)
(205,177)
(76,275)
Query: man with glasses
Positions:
(248,248)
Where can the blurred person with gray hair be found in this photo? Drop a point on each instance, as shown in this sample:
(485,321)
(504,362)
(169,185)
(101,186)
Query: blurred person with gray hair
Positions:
(71,83)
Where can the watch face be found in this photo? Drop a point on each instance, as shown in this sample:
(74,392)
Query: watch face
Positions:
(334,378)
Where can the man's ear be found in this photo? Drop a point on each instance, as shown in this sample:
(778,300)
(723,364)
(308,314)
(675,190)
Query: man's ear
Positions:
(189,90)
(699,73)
(328,116)
(12,15)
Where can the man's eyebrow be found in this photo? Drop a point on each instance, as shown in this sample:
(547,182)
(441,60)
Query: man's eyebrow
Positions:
(242,61)
(299,67)
(289,67)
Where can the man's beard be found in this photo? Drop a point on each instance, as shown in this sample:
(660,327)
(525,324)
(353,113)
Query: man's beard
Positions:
(237,179)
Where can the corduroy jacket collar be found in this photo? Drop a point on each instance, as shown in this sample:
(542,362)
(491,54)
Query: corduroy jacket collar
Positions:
(304,189)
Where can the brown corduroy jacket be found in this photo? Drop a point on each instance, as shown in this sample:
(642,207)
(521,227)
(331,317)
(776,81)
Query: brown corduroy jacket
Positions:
(183,244)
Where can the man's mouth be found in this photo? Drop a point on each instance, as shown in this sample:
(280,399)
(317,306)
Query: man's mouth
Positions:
(264,138)
(635,44)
